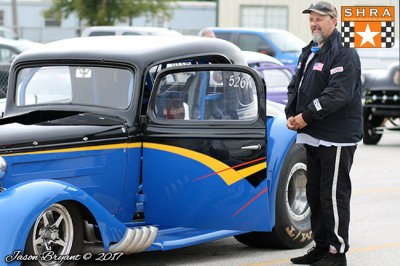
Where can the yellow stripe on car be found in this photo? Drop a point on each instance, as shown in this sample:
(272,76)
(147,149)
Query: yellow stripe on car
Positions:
(87,148)
(227,174)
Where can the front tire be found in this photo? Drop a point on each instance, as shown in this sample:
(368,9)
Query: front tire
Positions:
(58,229)
(369,124)
(292,214)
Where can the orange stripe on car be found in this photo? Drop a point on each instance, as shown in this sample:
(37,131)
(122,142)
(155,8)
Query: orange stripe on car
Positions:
(247,204)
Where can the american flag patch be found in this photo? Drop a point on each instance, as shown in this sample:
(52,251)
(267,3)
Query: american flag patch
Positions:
(318,66)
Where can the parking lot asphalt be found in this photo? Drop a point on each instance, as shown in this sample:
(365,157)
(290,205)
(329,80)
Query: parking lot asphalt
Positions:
(374,226)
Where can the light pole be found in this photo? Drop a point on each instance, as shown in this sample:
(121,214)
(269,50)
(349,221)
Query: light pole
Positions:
(217,14)
(14,16)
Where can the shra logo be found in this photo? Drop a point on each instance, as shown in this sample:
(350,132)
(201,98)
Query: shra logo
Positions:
(367,26)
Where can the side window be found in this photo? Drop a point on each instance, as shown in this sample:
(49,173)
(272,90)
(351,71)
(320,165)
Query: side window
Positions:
(206,95)
(223,35)
(102,33)
(131,33)
(251,42)
(154,70)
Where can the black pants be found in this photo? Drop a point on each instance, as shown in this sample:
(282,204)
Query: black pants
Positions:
(328,194)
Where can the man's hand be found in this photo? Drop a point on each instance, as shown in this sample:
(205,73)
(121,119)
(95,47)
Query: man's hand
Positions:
(299,122)
(290,123)
(296,123)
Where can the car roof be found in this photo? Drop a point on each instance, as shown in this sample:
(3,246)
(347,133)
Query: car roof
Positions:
(141,51)
(120,30)
(245,29)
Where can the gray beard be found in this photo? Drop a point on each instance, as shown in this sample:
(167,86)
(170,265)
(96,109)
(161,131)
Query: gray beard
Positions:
(318,37)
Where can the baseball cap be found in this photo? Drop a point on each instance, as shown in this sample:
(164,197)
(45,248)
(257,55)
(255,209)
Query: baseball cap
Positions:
(322,8)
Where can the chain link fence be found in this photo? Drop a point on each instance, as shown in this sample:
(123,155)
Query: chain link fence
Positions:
(4,70)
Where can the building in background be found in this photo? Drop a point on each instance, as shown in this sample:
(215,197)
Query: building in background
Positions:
(284,14)
(187,18)
(31,23)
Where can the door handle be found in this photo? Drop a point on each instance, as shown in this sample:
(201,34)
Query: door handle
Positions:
(252,147)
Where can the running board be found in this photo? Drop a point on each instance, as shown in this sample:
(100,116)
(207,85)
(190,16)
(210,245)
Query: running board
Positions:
(179,237)
(166,239)
(135,240)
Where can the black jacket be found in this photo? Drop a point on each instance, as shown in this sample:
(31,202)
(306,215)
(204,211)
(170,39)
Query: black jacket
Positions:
(330,93)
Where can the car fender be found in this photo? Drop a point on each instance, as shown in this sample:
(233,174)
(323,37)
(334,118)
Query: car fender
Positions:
(20,205)
(280,138)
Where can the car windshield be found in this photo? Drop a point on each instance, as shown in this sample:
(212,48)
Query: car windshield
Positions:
(276,80)
(82,85)
(286,41)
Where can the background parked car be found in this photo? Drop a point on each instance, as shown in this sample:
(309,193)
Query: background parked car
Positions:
(381,91)
(9,49)
(281,44)
(7,33)
(277,76)
(126,30)
(381,109)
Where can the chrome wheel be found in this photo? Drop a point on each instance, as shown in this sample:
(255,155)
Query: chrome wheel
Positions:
(53,231)
(296,198)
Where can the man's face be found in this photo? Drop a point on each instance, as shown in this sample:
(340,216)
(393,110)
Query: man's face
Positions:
(321,26)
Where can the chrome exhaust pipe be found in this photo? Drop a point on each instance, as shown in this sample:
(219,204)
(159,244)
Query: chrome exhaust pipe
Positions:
(135,240)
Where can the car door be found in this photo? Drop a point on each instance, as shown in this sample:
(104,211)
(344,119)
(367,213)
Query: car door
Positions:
(204,149)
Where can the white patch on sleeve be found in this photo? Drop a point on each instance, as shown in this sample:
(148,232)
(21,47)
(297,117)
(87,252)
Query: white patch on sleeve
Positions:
(336,70)
(317,105)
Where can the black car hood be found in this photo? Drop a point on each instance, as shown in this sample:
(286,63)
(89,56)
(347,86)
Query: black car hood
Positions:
(43,130)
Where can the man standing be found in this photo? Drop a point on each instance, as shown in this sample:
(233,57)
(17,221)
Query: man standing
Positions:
(324,107)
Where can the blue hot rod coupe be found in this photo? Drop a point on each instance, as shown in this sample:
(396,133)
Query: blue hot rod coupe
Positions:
(144,144)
